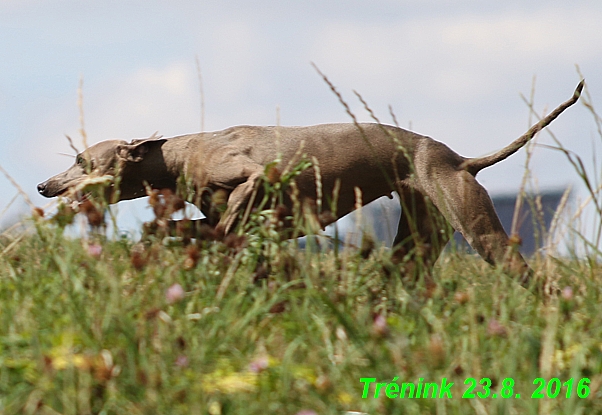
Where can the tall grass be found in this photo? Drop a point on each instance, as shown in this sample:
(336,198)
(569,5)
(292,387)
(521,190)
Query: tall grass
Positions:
(250,324)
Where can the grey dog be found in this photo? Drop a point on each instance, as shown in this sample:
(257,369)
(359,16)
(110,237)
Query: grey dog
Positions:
(437,187)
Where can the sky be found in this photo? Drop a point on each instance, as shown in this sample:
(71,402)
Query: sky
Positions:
(453,70)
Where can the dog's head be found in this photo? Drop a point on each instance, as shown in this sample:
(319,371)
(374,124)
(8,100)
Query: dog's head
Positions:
(102,164)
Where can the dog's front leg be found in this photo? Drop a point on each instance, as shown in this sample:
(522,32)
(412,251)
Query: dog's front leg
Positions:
(239,199)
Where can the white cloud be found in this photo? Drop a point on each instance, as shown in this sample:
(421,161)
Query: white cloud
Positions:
(134,106)
(235,48)
(174,80)
(460,55)
(164,98)
(544,32)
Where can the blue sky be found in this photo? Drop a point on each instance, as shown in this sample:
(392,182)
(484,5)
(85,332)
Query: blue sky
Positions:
(452,70)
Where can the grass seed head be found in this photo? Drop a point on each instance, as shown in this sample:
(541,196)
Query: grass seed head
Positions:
(95,215)
(208,233)
(234,242)
(280,216)
(138,257)
(515,241)
(323,384)
(64,216)
(461,297)
(37,212)
(398,255)
(165,202)
(219,197)
(368,246)
(436,350)
(273,175)
(279,307)
(326,218)
(261,273)
(192,256)
(152,313)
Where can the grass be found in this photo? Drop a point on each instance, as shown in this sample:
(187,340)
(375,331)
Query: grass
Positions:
(253,325)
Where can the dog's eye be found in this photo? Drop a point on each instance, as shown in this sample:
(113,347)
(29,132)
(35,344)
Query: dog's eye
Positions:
(83,163)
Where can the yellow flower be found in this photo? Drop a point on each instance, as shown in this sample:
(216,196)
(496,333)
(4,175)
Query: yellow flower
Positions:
(230,383)
(344,398)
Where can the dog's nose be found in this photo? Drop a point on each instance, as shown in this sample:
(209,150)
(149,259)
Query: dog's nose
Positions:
(42,188)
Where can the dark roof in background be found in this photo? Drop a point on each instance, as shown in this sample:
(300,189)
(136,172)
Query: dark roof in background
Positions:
(532,228)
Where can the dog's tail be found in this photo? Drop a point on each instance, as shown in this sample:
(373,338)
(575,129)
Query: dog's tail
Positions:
(475,165)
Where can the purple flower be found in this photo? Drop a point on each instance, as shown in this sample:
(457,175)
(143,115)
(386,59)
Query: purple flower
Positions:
(379,325)
(174,293)
(495,328)
(259,365)
(567,293)
(182,361)
(94,250)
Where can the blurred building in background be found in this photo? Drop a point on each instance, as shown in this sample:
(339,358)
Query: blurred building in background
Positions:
(382,216)
(533,220)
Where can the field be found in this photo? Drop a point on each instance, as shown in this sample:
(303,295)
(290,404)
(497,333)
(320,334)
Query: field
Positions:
(254,325)
(251,324)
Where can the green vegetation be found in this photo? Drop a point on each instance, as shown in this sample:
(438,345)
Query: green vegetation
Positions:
(253,325)
(250,324)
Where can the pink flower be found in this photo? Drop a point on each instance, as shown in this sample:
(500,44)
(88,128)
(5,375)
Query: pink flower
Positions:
(379,325)
(259,365)
(182,361)
(94,250)
(495,328)
(175,293)
(567,293)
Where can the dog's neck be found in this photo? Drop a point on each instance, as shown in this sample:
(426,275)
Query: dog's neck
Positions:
(160,169)
(176,153)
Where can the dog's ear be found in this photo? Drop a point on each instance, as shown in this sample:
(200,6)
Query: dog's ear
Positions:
(137,149)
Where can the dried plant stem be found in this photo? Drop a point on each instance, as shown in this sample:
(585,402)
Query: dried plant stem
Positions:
(355,120)
(553,242)
(358,208)
(316,166)
(201,93)
(547,350)
(9,205)
(80,105)
(529,150)
(393,117)
(19,188)
(228,277)
(71,144)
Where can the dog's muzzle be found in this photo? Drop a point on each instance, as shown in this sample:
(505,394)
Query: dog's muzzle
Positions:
(43,189)
(50,189)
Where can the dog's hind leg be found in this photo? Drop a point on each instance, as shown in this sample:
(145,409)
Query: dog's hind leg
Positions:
(422,233)
(469,209)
